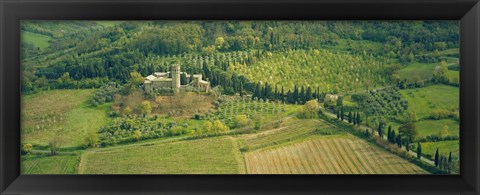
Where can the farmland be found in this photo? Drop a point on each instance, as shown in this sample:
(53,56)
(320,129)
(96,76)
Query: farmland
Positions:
(42,164)
(336,72)
(424,100)
(337,154)
(65,113)
(239,97)
(290,130)
(204,156)
(444,147)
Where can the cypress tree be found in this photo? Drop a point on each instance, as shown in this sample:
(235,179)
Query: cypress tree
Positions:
(342,114)
(449,166)
(419,150)
(436,158)
(338,114)
(393,137)
(399,141)
(349,117)
(389,133)
(354,120)
(241,88)
(380,130)
(359,120)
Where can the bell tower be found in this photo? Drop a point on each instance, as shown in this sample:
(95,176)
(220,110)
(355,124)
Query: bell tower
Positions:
(176,77)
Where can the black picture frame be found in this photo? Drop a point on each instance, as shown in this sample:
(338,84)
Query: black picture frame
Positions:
(13,11)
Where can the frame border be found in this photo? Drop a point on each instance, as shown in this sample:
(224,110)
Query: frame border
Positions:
(466,11)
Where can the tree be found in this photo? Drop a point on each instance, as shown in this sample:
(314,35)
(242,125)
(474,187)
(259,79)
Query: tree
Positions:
(380,129)
(310,109)
(241,120)
(136,78)
(412,117)
(419,150)
(389,133)
(342,114)
(393,137)
(440,74)
(350,117)
(55,145)
(219,127)
(444,132)
(258,122)
(399,141)
(359,120)
(354,118)
(183,79)
(91,140)
(207,127)
(126,111)
(27,148)
(409,131)
(146,108)
(449,168)
(137,134)
(436,158)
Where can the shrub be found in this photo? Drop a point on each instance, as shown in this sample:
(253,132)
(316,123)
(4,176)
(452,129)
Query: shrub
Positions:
(241,121)
(27,148)
(91,140)
(441,114)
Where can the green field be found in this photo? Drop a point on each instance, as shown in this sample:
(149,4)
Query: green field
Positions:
(433,127)
(444,147)
(60,113)
(38,40)
(424,100)
(218,155)
(417,71)
(43,164)
(290,130)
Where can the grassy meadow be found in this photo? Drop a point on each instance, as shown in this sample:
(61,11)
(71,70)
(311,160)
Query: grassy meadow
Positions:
(66,114)
(38,40)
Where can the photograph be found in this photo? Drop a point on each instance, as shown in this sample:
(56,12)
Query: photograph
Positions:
(276,97)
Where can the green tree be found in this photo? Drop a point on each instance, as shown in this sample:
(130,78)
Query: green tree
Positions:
(440,73)
(146,108)
(241,120)
(444,132)
(342,114)
(310,109)
(27,148)
(136,78)
(350,117)
(419,150)
(409,131)
(137,134)
(436,160)
(359,120)
(91,140)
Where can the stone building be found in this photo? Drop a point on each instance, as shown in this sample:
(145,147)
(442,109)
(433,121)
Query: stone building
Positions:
(172,80)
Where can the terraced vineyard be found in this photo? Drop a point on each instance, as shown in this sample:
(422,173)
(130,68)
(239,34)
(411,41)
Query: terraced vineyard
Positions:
(337,154)
(231,107)
(291,130)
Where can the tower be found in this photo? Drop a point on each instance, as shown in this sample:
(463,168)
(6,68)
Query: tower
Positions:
(176,77)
